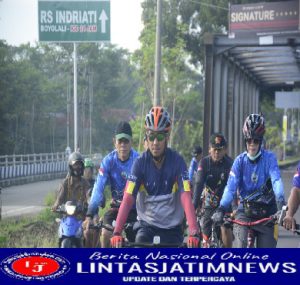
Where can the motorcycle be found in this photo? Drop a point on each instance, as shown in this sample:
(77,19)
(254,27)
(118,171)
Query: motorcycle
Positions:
(70,231)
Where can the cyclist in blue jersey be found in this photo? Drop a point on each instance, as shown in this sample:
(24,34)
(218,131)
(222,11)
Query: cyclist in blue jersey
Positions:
(255,174)
(289,221)
(160,186)
(114,169)
(197,155)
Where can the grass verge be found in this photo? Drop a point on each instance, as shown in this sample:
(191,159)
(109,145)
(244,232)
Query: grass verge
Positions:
(38,231)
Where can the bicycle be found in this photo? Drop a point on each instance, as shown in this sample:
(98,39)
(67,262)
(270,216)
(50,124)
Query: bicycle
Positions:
(277,218)
(214,240)
(155,244)
(128,227)
(100,225)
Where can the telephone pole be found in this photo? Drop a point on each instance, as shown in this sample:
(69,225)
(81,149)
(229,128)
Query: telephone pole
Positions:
(156,99)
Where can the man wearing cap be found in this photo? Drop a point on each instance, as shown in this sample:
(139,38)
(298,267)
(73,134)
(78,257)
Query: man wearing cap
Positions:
(211,179)
(197,155)
(113,171)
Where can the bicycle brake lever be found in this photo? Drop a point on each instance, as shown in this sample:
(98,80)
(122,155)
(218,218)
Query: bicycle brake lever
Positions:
(282,215)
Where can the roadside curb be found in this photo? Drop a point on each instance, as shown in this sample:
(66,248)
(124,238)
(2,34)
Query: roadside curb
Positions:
(286,164)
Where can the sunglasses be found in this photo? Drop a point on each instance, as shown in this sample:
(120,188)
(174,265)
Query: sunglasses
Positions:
(217,148)
(254,141)
(159,136)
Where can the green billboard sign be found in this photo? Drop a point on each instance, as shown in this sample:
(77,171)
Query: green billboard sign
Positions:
(74,20)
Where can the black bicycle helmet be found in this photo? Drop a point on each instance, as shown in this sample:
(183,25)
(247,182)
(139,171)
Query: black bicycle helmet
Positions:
(196,150)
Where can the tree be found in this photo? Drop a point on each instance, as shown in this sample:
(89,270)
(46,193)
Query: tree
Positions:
(34,85)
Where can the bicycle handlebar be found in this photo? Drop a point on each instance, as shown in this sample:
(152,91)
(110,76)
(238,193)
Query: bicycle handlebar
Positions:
(100,225)
(153,245)
(250,224)
(274,218)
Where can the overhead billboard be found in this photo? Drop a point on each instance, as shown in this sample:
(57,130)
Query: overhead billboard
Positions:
(74,20)
(263,18)
(287,99)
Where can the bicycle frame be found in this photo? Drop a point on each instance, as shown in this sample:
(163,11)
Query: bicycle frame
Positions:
(251,236)
(155,244)
(214,241)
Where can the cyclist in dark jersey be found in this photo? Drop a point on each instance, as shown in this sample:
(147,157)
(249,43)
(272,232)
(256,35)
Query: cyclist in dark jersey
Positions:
(211,179)
(160,186)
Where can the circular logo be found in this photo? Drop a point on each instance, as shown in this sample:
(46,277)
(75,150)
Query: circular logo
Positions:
(124,175)
(254,177)
(35,266)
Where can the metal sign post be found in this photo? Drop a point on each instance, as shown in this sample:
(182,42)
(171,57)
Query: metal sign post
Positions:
(284,133)
(0,203)
(75,100)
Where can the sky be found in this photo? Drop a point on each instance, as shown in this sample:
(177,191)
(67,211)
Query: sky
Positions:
(19,22)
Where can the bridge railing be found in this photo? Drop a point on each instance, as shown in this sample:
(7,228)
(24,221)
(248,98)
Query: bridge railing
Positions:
(16,169)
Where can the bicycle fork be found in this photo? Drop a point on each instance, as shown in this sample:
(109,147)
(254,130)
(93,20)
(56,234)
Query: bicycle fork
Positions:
(250,238)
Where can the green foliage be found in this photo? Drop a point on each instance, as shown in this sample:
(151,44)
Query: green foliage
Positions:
(35,86)
(50,199)
(186,136)
(32,231)
(107,194)
(273,137)
(138,132)
(273,119)
(181,85)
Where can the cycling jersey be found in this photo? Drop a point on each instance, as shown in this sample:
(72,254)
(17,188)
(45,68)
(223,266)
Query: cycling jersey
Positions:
(211,175)
(193,168)
(112,171)
(249,177)
(157,191)
(296,179)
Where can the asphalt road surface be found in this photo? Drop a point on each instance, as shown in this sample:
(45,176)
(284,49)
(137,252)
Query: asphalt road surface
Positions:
(30,198)
(26,199)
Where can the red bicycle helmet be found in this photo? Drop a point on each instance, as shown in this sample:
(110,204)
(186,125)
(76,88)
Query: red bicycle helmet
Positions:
(158,120)
(254,127)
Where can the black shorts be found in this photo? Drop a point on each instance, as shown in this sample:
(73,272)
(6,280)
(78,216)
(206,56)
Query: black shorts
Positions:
(111,215)
(146,232)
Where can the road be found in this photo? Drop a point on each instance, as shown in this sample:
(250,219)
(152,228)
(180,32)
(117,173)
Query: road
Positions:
(30,198)
(288,239)
(26,199)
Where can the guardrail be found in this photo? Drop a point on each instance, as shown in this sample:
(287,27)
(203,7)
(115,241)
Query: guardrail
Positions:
(17,169)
